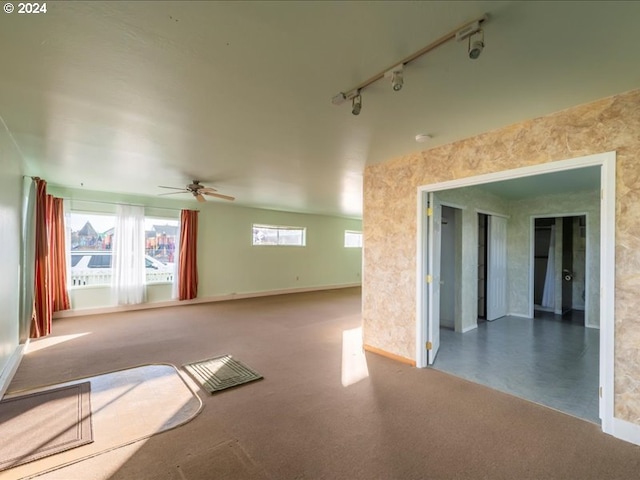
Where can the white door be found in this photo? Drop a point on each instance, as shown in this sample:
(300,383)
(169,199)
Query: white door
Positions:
(433,317)
(496,267)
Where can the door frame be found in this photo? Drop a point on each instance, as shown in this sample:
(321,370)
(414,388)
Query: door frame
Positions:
(587,261)
(607,163)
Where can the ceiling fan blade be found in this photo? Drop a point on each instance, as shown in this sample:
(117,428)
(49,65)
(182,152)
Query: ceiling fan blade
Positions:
(200,198)
(207,189)
(173,188)
(173,193)
(219,195)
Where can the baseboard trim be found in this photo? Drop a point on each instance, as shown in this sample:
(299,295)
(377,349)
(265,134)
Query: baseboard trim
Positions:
(216,298)
(12,367)
(469,328)
(392,356)
(624,430)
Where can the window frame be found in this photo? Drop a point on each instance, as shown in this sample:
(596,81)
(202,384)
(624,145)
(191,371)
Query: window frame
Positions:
(93,253)
(279,229)
(352,232)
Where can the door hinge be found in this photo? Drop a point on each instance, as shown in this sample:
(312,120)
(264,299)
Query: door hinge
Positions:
(429,346)
(600,390)
(429,211)
(429,278)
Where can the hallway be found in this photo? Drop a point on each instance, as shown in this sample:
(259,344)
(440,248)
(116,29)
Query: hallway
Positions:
(551,360)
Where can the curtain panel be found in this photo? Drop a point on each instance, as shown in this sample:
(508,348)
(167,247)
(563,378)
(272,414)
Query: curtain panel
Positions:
(50,284)
(188,269)
(28,258)
(128,278)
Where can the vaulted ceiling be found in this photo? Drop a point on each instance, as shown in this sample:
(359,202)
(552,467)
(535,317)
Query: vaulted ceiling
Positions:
(126,96)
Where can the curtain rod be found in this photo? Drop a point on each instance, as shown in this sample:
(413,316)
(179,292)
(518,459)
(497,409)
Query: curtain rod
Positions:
(113,203)
(129,204)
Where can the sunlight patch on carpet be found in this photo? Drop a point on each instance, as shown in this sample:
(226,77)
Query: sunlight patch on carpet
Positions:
(354,362)
(128,406)
(220,373)
(44,423)
(44,342)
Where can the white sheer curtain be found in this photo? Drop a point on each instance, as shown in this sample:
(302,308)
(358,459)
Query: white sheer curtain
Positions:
(128,278)
(176,264)
(549,292)
(28,260)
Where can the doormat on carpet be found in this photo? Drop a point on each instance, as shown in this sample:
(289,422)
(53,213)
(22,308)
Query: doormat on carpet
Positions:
(44,423)
(220,373)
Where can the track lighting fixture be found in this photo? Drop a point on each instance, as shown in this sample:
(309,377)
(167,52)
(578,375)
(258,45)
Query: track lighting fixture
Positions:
(396,77)
(475,47)
(396,73)
(356,103)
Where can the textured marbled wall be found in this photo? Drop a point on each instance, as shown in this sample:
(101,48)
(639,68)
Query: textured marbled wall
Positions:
(389,220)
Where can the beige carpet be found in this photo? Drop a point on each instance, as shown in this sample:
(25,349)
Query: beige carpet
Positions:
(44,423)
(318,413)
(128,406)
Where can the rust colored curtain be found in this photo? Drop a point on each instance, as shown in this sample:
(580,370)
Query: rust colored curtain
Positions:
(187,267)
(50,286)
(57,254)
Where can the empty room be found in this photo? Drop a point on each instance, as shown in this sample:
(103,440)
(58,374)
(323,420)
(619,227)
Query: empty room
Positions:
(319,240)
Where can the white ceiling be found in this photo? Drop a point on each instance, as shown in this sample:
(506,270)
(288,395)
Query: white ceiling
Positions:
(566,181)
(126,96)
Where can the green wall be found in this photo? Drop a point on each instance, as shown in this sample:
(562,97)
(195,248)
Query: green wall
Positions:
(227,262)
(10,240)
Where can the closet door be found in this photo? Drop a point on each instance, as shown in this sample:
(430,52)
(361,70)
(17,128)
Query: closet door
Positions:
(496,267)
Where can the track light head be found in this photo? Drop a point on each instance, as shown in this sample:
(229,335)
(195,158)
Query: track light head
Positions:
(396,77)
(475,49)
(476,46)
(356,104)
(397,81)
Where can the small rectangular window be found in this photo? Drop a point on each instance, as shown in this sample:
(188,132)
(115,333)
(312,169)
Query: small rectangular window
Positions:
(352,239)
(279,235)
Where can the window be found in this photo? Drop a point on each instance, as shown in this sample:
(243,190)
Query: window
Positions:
(161,238)
(279,235)
(91,240)
(352,239)
(90,249)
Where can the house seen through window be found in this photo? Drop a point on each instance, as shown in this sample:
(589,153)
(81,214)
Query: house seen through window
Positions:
(91,240)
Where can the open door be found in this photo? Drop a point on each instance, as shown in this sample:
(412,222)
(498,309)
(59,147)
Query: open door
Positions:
(433,275)
(496,267)
(567,264)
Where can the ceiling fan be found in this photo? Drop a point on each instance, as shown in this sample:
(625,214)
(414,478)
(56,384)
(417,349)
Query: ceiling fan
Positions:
(198,190)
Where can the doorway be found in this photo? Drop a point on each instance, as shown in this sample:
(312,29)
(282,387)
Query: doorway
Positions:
(604,167)
(559,264)
(482,267)
(450,267)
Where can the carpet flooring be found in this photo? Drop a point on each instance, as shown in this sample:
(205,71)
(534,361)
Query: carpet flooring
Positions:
(311,417)
(128,406)
(40,424)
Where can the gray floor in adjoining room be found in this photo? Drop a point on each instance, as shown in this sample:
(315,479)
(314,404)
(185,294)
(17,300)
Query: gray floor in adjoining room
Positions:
(551,359)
